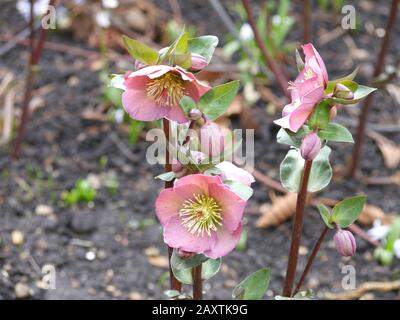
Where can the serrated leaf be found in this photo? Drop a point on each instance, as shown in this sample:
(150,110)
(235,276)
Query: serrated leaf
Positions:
(347,211)
(253,287)
(217,100)
(325,214)
(336,132)
(140,51)
(243,191)
(204,46)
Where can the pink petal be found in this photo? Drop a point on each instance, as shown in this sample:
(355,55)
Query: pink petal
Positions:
(136,83)
(225,242)
(283,122)
(310,51)
(141,107)
(176,236)
(231,204)
(151,71)
(200,180)
(232,172)
(298,117)
(168,204)
(176,114)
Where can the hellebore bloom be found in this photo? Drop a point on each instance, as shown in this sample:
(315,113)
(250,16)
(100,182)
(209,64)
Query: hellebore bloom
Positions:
(154,92)
(231,172)
(345,243)
(200,214)
(306,91)
(310,146)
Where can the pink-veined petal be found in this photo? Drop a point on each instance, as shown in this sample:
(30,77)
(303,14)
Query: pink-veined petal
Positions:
(140,107)
(224,242)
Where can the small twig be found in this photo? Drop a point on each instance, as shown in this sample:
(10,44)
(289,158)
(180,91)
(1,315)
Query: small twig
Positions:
(361,290)
(311,259)
(297,231)
(357,149)
(272,65)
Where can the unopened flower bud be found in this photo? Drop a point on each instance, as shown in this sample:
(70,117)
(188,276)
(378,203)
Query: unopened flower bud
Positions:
(139,65)
(198,62)
(342,92)
(184,254)
(212,139)
(310,146)
(195,114)
(345,243)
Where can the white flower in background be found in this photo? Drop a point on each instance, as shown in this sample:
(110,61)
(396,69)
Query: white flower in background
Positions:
(110,4)
(378,231)
(396,248)
(103,19)
(119,116)
(39,8)
(246,33)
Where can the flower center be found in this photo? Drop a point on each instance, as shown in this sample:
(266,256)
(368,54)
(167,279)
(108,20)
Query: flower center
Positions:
(308,74)
(167,90)
(203,214)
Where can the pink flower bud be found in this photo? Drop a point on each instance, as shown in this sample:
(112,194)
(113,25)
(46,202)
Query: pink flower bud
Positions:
(198,62)
(341,91)
(345,243)
(310,146)
(139,65)
(212,139)
(195,114)
(184,254)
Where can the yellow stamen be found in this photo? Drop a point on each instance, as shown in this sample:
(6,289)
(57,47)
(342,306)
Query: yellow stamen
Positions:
(203,214)
(167,90)
(308,74)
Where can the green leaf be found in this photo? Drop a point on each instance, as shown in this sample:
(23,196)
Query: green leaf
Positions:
(140,51)
(347,211)
(320,117)
(321,171)
(384,256)
(187,104)
(243,191)
(215,101)
(182,44)
(177,47)
(209,269)
(336,132)
(291,171)
(166,176)
(253,287)
(299,61)
(331,84)
(361,93)
(325,215)
(290,138)
(114,95)
(183,59)
(204,46)
(393,235)
(180,263)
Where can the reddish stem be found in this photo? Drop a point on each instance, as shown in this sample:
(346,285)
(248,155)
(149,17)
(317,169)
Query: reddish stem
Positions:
(36,52)
(174,283)
(311,259)
(367,103)
(297,230)
(197,283)
(271,64)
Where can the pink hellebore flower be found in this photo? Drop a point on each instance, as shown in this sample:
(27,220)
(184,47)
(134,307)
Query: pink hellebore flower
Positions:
(231,172)
(306,91)
(200,214)
(154,92)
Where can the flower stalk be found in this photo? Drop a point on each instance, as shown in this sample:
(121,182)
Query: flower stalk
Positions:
(311,259)
(297,230)
(197,283)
